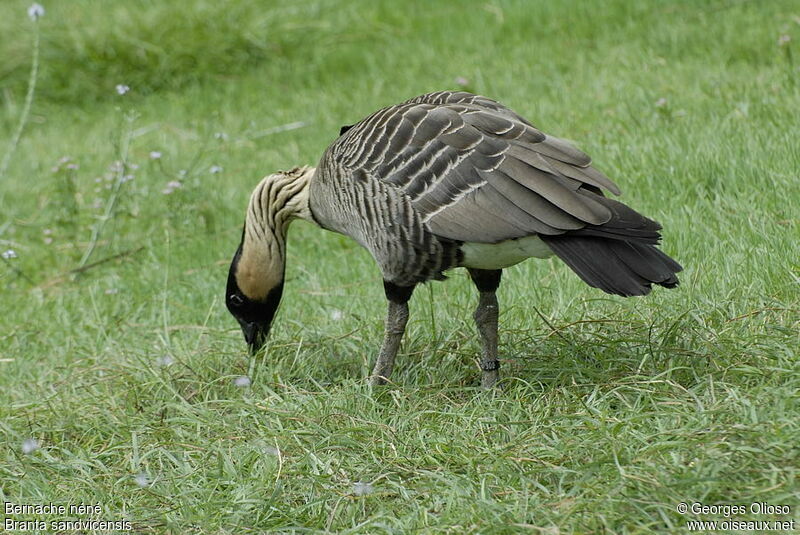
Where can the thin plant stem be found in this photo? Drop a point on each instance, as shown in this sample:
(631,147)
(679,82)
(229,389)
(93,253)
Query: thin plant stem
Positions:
(26,108)
(111,203)
(430,309)
(18,271)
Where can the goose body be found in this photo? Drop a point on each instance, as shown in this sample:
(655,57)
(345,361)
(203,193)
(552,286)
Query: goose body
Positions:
(445,180)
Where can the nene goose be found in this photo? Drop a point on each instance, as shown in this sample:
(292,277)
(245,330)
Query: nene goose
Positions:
(445,180)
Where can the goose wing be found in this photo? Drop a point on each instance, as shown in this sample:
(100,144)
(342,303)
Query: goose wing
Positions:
(476,171)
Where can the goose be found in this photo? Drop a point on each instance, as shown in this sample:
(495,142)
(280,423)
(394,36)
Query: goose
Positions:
(444,180)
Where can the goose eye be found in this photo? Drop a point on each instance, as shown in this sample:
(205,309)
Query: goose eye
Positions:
(236,300)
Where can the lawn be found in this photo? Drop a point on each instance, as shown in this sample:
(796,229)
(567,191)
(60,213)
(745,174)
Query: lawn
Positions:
(124,381)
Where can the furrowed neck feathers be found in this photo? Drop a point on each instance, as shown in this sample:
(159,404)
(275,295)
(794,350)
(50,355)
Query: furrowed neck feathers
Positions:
(276,201)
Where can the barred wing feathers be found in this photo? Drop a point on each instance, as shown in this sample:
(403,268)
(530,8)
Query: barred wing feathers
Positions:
(475,170)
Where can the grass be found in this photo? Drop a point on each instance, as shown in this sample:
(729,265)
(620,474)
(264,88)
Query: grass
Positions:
(119,359)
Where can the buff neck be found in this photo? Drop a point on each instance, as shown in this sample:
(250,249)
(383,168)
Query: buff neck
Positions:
(278,200)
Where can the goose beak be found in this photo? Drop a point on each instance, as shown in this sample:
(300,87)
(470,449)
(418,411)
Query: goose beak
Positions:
(255,335)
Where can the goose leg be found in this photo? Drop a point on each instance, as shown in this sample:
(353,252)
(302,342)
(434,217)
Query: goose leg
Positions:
(486,314)
(396,319)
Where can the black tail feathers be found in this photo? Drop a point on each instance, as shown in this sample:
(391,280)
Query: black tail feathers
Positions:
(616,266)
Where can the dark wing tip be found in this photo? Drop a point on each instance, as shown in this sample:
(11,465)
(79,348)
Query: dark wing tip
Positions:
(618,267)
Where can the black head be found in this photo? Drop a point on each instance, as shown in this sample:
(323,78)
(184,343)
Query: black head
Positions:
(254,315)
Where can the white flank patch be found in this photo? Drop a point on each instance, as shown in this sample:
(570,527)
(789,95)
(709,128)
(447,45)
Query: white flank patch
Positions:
(504,254)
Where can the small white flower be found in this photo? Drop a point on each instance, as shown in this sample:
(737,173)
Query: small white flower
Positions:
(47,231)
(362,488)
(48,240)
(660,103)
(165,360)
(182,173)
(29,445)
(214,169)
(461,81)
(262,447)
(784,40)
(221,135)
(142,480)
(336,314)
(242,381)
(111,291)
(9,254)
(171,186)
(35,11)
(72,166)
(133,166)
(126,178)
(155,155)
(122,89)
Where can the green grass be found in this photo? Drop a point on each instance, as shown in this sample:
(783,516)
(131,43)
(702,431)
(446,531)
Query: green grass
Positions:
(612,412)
